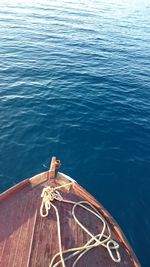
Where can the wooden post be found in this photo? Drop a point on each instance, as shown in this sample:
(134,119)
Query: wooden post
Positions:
(55,164)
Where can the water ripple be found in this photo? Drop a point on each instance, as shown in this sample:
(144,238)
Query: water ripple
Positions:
(75,83)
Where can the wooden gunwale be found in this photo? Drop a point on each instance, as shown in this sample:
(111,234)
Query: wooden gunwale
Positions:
(14,189)
(33,181)
(111,221)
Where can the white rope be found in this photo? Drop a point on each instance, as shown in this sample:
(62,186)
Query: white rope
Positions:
(59,236)
(101,239)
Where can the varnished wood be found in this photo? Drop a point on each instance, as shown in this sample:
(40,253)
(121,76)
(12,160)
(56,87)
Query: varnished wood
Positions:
(28,240)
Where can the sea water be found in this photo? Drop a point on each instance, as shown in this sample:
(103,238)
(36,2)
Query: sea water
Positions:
(74,82)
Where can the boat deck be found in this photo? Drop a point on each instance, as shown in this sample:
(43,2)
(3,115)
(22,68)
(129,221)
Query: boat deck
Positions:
(27,239)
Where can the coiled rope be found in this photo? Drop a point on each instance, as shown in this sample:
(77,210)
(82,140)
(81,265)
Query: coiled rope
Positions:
(48,195)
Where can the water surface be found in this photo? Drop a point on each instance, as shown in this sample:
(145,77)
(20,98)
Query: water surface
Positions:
(74,82)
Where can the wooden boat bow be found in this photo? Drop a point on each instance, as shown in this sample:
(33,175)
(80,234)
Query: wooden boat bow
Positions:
(72,232)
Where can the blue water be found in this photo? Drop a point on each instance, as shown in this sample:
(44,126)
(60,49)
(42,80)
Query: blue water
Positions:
(74,82)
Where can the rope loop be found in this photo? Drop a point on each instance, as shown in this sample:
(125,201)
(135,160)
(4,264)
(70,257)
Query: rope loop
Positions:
(102,239)
(113,246)
(48,194)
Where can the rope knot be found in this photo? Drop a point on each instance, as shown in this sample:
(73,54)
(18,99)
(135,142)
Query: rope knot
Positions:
(48,194)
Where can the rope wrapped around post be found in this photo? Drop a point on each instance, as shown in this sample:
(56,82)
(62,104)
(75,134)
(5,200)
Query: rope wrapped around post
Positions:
(48,195)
